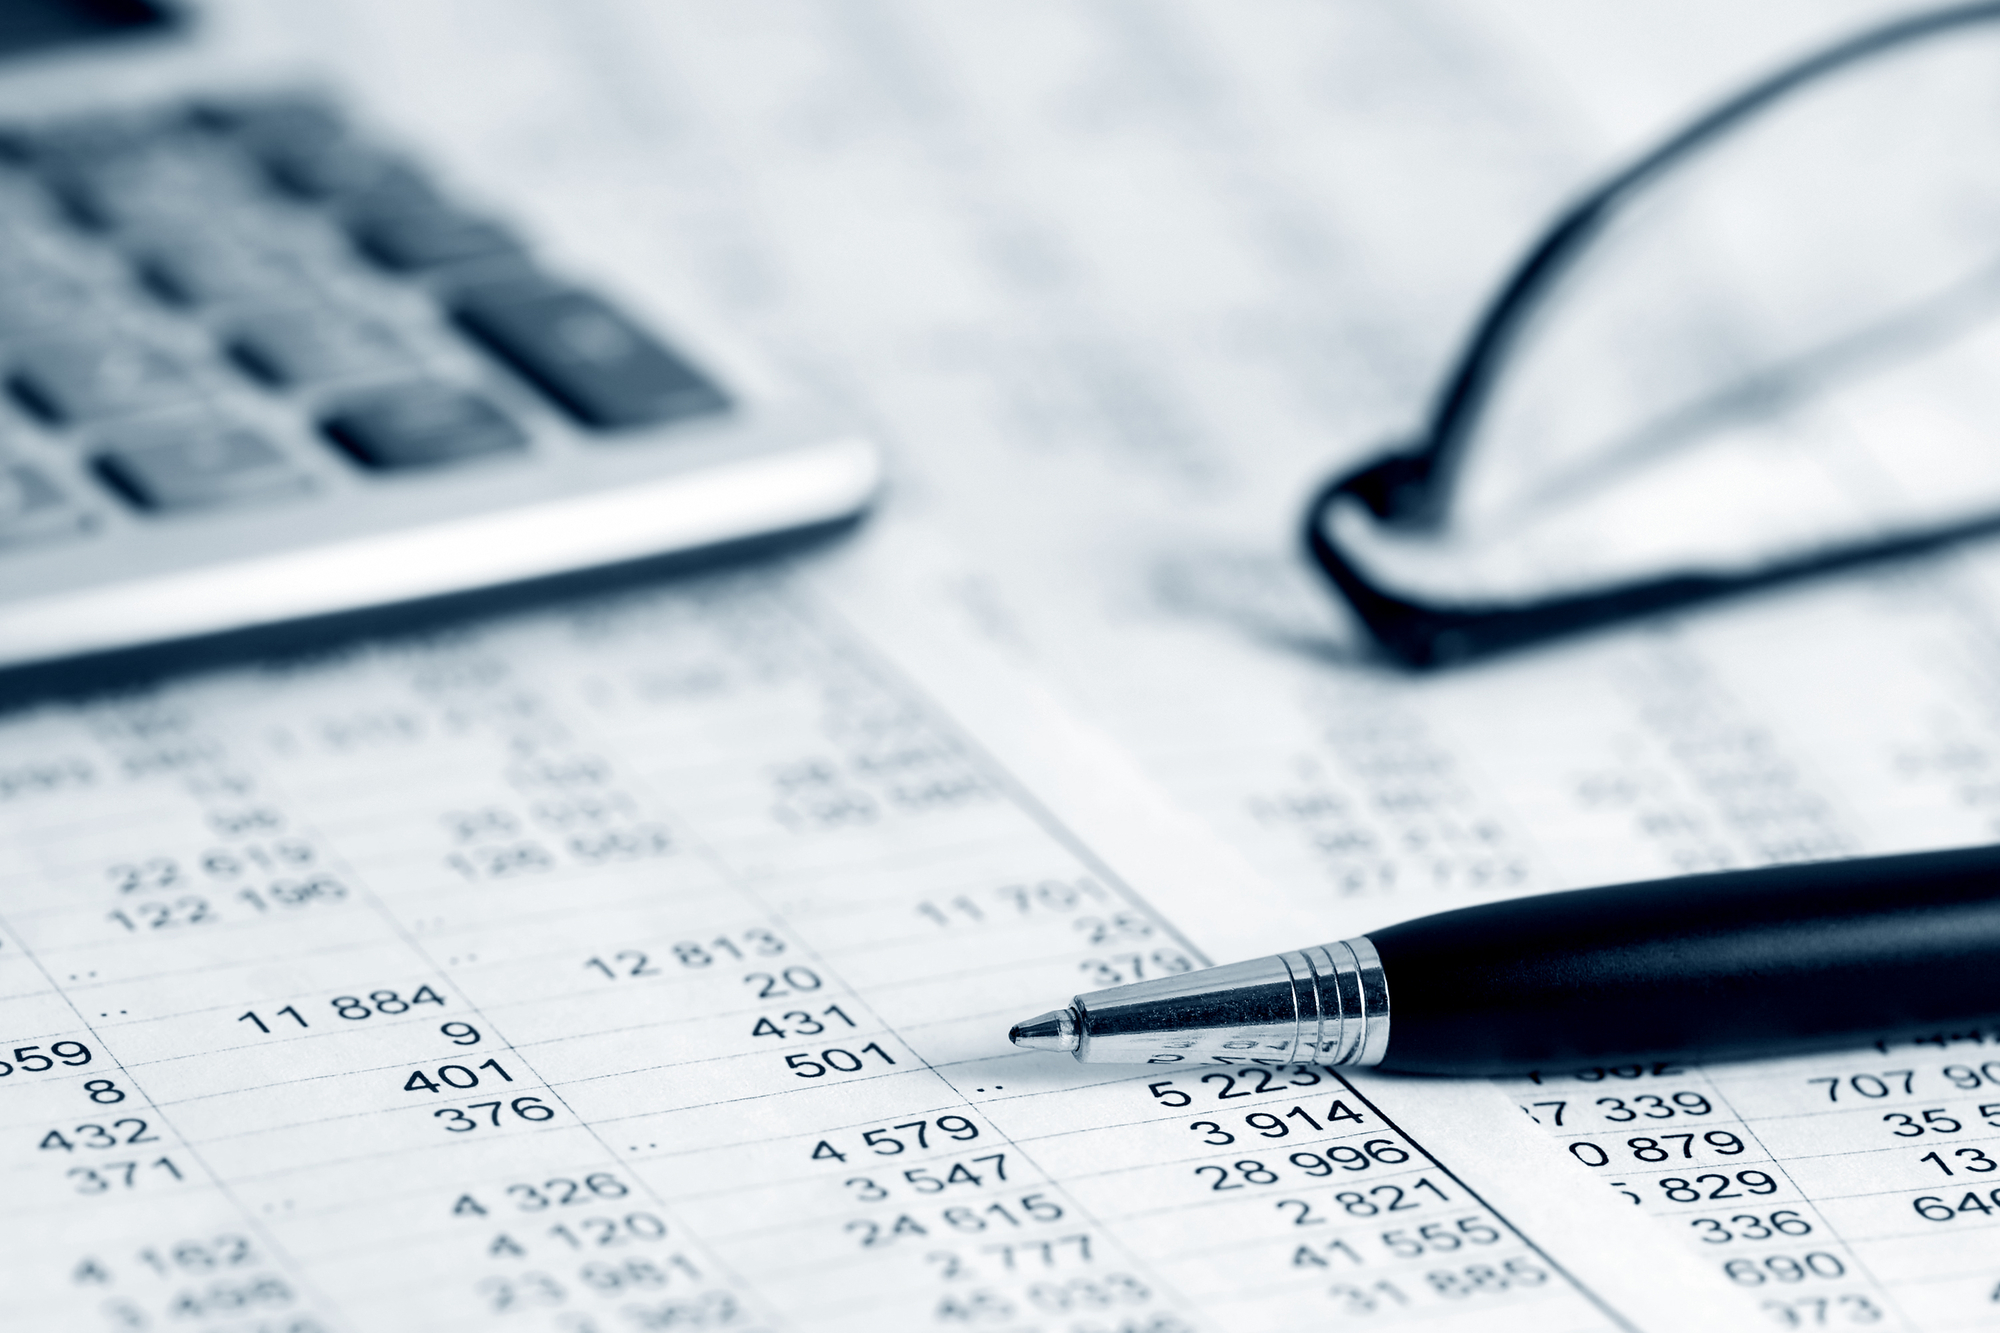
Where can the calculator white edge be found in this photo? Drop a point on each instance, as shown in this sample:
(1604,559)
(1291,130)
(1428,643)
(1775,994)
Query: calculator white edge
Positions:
(777,463)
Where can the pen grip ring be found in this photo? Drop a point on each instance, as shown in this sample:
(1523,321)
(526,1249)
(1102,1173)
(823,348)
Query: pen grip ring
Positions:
(1343,1001)
(1325,1005)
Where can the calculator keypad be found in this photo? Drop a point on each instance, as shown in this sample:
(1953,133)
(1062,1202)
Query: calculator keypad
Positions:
(177,286)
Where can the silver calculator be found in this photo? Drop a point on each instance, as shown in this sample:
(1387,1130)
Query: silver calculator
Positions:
(258,365)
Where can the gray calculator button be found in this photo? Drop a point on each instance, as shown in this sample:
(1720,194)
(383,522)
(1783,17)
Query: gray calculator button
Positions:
(581,351)
(396,187)
(81,142)
(99,167)
(419,239)
(287,348)
(163,186)
(24,210)
(307,150)
(32,510)
(214,270)
(345,171)
(35,305)
(94,379)
(95,134)
(421,425)
(276,119)
(198,466)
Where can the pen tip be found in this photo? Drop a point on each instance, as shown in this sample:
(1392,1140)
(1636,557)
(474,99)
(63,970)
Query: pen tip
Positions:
(1053,1031)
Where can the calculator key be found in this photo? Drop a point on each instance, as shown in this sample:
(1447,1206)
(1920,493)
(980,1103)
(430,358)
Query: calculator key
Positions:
(108,171)
(198,465)
(32,510)
(279,118)
(166,185)
(394,187)
(24,212)
(346,172)
(429,237)
(83,140)
(339,169)
(37,304)
(94,379)
(305,149)
(422,425)
(289,348)
(216,270)
(584,353)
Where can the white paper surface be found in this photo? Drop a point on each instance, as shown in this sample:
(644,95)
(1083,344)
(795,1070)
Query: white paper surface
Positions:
(648,966)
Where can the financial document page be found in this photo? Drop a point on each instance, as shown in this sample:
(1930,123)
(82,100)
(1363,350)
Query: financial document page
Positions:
(648,966)
(1122,282)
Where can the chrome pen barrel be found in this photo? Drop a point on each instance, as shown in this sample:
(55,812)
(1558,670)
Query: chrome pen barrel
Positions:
(1325,1005)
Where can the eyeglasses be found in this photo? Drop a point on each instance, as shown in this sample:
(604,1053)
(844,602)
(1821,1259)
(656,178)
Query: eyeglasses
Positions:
(1765,350)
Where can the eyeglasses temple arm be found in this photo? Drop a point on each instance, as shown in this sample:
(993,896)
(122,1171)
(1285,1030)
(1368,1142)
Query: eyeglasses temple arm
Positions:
(1415,488)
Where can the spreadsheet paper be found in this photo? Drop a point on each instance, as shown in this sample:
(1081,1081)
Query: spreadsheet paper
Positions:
(648,965)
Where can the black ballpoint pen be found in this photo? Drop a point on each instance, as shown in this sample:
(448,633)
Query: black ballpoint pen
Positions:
(1719,966)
